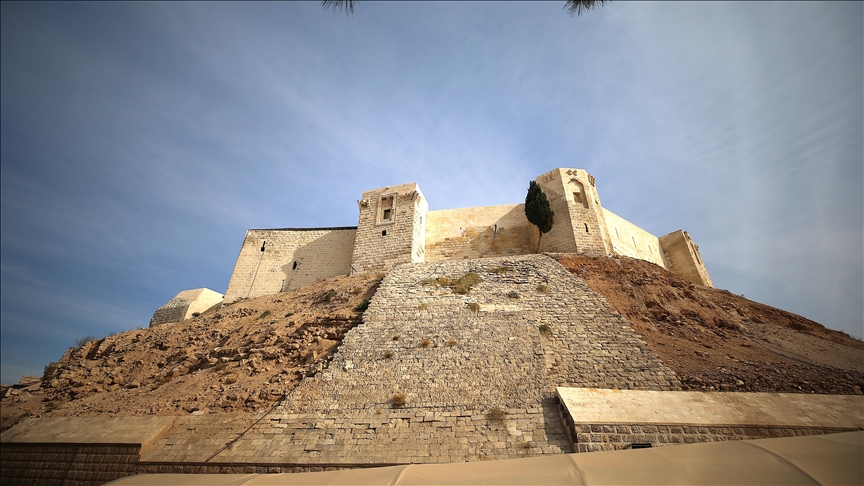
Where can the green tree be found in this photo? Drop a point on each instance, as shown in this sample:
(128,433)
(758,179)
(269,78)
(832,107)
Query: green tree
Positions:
(538,211)
(577,7)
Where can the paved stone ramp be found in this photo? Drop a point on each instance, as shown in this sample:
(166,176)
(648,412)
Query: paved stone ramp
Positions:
(472,362)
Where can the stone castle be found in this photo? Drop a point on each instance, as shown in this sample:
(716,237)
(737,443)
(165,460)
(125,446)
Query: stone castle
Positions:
(531,362)
(396,226)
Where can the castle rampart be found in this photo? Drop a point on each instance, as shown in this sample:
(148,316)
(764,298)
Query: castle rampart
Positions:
(274,260)
(395,226)
(186,304)
(485,231)
(630,240)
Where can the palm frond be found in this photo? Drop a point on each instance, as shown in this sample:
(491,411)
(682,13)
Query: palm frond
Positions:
(336,5)
(577,7)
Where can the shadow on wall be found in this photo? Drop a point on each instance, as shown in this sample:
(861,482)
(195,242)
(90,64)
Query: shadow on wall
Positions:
(480,233)
(325,257)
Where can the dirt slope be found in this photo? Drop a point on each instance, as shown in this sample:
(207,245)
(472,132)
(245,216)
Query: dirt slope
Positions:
(240,358)
(244,357)
(714,339)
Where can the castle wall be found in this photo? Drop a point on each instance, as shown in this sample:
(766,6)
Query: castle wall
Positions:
(560,237)
(319,253)
(683,258)
(456,234)
(630,240)
(395,226)
(579,223)
(391,228)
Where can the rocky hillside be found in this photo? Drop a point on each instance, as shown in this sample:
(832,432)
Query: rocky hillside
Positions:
(265,345)
(244,357)
(716,340)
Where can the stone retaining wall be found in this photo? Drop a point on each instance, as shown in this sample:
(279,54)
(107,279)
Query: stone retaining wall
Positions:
(66,464)
(605,437)
(455,365)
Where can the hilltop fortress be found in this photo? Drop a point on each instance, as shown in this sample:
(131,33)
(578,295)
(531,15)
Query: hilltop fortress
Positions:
(527,360)
(396,226)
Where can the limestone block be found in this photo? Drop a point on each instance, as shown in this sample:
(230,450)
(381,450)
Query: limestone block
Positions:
(185,304)
(272,261)
(683,258)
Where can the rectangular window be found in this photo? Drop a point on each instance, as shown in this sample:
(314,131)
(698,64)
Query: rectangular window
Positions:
(386,209)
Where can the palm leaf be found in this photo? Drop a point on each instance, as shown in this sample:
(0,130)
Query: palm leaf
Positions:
(579,6)
(336,5)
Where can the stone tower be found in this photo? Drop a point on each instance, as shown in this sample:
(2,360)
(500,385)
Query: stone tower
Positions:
(391,228)
(579,224)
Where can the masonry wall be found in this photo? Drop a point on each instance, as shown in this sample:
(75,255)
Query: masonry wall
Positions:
(579,223)
(319,253)
(560,237)
(612,437)
(185,304)
(683,259)
(473,363)
(66,464)
(383,242)
(456,234)
(395,226)
(630,240)
(173,311)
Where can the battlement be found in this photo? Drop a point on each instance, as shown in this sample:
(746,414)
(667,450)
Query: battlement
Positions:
(395,226)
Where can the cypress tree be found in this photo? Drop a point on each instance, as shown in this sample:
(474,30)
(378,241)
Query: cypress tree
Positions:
(538,211)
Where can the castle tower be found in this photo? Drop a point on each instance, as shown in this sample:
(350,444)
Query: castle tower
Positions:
(579,223)
(391,228)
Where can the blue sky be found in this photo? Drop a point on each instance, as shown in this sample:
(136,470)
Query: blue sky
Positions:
(141,140)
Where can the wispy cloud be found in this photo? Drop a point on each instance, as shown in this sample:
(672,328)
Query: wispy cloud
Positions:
(141,140)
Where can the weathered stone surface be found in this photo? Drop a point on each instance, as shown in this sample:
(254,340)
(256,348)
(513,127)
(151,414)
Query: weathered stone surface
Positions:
(275,260)
(185,305)
(454,366)
(715,409)
(88,430)
(395,226)
(603,420)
